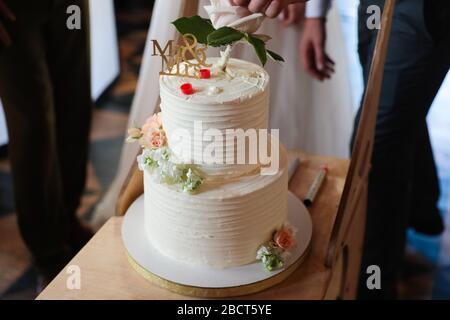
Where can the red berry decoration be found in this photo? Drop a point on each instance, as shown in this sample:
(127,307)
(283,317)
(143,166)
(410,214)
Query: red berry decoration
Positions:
(205,74)
(187,89)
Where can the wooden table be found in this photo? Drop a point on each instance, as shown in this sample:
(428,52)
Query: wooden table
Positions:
(107,274)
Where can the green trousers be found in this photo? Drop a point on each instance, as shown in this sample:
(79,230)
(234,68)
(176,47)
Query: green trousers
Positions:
(45,90)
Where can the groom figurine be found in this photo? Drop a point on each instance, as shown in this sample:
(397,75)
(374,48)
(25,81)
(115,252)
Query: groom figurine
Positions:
(45,91)
(403,184)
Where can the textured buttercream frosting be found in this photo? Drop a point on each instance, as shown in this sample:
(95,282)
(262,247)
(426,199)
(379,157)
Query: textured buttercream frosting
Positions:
(236,209)
(237,99)
(221,226)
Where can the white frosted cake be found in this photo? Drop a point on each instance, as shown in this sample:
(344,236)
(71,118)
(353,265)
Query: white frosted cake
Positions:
(213,214)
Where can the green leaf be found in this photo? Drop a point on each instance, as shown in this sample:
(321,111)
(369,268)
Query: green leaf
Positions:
(275,56)
(260,48)
(273,262)
(263,37)
(195,25)
(151,163)
(224,36)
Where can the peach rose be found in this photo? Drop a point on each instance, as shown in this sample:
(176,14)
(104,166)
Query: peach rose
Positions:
(157,139)
(285,239)
(154,123)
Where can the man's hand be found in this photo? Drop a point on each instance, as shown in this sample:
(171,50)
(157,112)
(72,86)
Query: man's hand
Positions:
(312,50)
(5,13)
(271,8)
(293,14)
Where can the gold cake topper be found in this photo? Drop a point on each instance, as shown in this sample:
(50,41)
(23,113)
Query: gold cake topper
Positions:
(187,54)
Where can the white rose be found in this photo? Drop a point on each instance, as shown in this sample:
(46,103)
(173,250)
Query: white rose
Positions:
(224,14)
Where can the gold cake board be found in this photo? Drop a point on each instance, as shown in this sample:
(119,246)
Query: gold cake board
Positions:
(205,282)
(216,293)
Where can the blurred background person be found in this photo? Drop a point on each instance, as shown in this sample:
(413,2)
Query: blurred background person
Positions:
(403,184)
(45,90)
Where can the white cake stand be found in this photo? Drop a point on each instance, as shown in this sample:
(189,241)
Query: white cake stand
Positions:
(210,282)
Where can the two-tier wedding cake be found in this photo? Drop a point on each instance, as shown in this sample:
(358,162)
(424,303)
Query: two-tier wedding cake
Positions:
(219,215)
(236,209)
(215,180)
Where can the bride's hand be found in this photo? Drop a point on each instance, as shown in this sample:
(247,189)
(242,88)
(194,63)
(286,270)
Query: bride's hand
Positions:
(5,12)
(292,14)
(271,8)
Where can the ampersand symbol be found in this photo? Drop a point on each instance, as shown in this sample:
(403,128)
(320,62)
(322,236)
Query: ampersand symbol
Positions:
(198,54)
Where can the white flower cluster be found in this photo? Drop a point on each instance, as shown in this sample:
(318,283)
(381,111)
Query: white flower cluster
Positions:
(271,257)
(263,251)
(274,253)
(267,250)
(166,169)
(193,180)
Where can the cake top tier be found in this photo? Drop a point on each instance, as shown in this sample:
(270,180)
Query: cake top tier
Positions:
(242,81)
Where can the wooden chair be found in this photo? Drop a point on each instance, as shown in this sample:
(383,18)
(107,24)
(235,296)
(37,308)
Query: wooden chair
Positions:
(346,240)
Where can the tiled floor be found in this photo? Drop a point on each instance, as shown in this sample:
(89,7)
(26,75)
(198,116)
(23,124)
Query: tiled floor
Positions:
(427,266)
(18,279)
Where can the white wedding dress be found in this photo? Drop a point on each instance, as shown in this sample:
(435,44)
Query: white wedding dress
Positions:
(314,117)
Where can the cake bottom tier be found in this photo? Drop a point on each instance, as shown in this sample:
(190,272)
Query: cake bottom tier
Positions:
(224,224)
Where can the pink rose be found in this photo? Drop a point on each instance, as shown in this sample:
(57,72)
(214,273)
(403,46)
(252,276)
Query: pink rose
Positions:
(157,139)
(154,123)
(285,239)
(224,14)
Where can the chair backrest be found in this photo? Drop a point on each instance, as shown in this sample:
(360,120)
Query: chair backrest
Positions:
(356,184)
